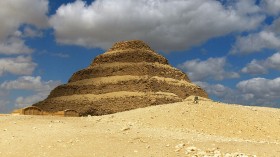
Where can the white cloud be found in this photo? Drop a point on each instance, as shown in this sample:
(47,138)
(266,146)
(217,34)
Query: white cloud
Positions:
(271,6)
(14,13)
(255,91)
(217,90)
(14,45)
(166,25)
(273,61)
(246,7)
(20,65)
(261,91)
(267,38)
(254,67)
(32,32)
(256,42)
(262,66)
(22,102)
(30,83)
(212,68)
(40,88)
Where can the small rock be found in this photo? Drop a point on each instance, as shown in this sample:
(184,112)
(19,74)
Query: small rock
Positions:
(148,146)
(191,149)
(180,146)
(5,130)
(135,151)
(125,129)
(177,150)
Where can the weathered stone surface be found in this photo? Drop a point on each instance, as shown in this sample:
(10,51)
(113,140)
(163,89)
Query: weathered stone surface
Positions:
(130,75)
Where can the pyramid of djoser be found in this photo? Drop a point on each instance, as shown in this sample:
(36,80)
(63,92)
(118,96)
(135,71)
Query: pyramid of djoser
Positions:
(130,75)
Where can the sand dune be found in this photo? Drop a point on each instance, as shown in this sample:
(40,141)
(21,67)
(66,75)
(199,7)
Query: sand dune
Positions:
(178,129)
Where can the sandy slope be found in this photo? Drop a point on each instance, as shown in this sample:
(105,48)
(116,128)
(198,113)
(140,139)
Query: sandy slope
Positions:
(165,130)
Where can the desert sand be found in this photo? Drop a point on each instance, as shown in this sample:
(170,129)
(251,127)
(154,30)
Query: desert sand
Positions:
(177,129)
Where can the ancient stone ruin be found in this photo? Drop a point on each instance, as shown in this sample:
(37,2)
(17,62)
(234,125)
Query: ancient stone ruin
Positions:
(130,75)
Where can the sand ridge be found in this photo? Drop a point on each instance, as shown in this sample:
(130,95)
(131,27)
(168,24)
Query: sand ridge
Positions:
(177,129)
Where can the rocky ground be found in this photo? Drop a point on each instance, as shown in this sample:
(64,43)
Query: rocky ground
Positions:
(180,129)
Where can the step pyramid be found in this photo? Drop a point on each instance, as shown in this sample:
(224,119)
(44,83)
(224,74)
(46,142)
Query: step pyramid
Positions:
(130,75)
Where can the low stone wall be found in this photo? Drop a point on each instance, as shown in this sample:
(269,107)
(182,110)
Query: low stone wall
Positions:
(33,110)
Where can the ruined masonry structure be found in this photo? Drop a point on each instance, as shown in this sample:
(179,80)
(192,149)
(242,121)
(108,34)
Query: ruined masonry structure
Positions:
(130,75)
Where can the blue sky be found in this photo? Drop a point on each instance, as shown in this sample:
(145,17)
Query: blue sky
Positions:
(231,48)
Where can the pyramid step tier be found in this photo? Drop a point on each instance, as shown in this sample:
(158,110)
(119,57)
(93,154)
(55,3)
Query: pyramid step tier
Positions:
(136,69)
(137,55)
(145,83)
(91,104)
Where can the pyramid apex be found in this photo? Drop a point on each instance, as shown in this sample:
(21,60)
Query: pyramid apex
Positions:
(130,44)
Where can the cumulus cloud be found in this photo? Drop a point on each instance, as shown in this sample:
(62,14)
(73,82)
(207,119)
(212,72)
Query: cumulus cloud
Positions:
(261,91)
(262,66)
(245,7)
(14,45)
(32,32)
(13,15)
(254,67)
(256,42)
(20,65)
(212,68)
(255,91)
(273,61)
(220,91)
(30,83)
(271,6)
(166,25)
(40,88)
(267,38)
(22,102)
